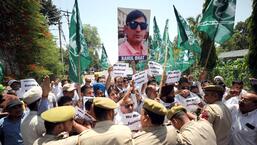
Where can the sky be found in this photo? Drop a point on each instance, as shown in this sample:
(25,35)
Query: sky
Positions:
(103,15)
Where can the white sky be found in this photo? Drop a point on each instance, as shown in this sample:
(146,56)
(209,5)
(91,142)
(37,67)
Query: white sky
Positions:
(103,15)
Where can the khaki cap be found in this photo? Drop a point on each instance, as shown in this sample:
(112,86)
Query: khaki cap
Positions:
(105,103)
(154,107)
(174,110)
(214,88)
(59,114)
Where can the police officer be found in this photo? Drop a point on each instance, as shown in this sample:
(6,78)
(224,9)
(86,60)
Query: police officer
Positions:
(153,131)
(191,132)
(59,123)
(105,131)
(217,113)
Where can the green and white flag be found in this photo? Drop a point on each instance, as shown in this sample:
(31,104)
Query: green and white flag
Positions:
(218,20)
(79,59)
(104,61)
(156,42)
(166,43)
(187,43)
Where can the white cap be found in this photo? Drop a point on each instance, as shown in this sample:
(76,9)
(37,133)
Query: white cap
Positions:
(68,87)
(32,95)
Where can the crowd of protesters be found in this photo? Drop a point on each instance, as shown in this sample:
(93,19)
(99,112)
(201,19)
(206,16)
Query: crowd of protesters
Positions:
(116,112)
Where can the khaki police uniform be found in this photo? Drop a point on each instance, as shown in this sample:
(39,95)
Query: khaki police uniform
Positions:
(193,132)
(53,140)
(156,135)
(197,133)
(106,132)
(220,117)
(58,115)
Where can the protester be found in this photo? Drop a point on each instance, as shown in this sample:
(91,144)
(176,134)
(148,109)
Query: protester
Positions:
(10,131)
(244,122)
(32,126)
(135,31)
(59,123)
(167,96)
(153,131)
(105,132)
(65,101)
(235,93)
(127,116)
(191,132)
(186,98)
(217,113)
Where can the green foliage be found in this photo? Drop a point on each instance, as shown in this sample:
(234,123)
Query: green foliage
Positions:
(26,34)
(252,26)
(94,44)
(50,11)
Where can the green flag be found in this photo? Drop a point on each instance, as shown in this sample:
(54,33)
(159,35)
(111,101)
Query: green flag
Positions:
(187,43)
(218,20)
(79,58)
(167,44)
(104,61)
(156,42)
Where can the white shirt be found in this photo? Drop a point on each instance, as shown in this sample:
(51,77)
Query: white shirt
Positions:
(190,103)
(244,127)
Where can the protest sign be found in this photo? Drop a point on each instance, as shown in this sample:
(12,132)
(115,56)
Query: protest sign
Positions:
(132,120)
(119,69)
(173,76)
(140,78)
(155,69)
(26,84)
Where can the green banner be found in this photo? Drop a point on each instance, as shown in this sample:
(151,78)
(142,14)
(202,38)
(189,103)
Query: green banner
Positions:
(187,43)
(79,59)
(218,20)
(104,61)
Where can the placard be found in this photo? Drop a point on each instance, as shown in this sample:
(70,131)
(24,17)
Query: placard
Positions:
(140,78)
(120,69)
(155,69)
(173,76)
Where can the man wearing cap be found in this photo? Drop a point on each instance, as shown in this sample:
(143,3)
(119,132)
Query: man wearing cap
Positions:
(32,127)
(217,113)
(10,133)
(59,123)
(105,132)
(153,131)
(244,115)
(191,132)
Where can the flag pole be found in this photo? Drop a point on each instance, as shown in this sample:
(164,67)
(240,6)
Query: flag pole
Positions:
(213,46)
(164,68)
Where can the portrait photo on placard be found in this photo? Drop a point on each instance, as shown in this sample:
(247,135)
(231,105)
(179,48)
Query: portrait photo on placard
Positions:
(133,33)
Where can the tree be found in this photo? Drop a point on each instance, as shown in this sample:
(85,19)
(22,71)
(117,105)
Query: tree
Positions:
(49,10)
(94,43)
(26,43)
(252,63)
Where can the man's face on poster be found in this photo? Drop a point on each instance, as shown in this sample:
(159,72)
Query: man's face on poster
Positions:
(136,30)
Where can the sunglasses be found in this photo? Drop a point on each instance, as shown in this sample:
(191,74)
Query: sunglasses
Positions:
(133,25)
(128,105)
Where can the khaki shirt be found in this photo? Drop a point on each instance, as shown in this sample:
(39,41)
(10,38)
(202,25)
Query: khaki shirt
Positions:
(157,135)
(53,140)
(197,133)
(220,117)
(32,127)
(106,133)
